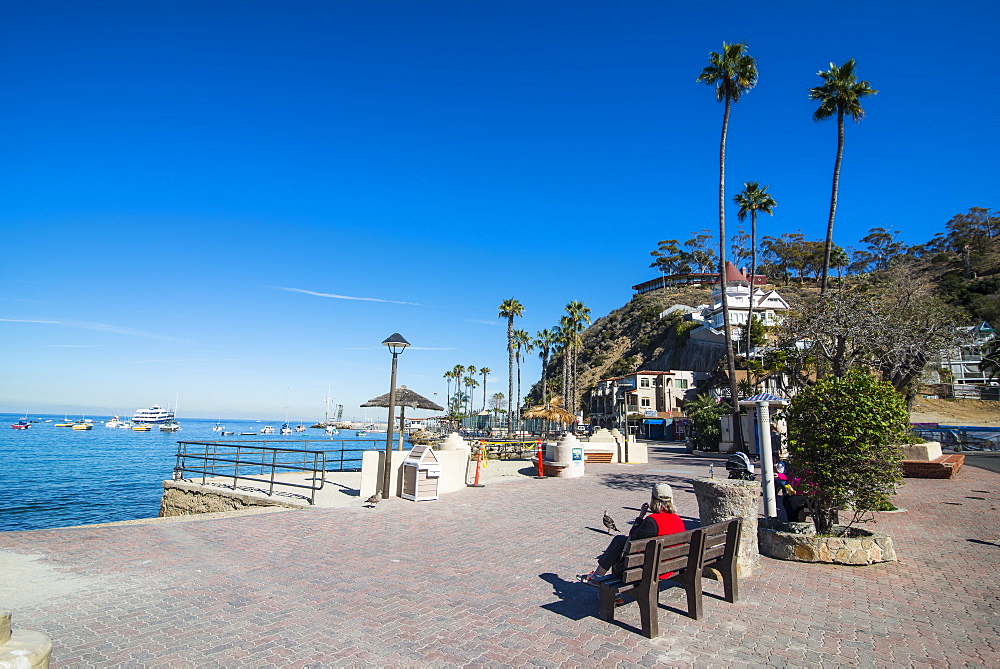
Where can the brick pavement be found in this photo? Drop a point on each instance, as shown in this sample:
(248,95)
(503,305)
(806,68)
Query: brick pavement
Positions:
(486,577)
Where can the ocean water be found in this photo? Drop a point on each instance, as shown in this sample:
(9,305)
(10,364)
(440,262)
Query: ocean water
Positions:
(57,477)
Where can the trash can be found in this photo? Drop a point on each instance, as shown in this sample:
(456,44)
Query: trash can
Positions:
(421,475)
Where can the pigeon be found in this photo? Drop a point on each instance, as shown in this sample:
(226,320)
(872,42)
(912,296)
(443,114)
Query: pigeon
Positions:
(374,499)
(609,523)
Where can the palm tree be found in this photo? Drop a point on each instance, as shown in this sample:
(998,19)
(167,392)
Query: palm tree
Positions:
(733,72)
(471,383)
(579,317)
(564,335)
(544,340)
(448,377)
(522,342)
(485,371)
(458,371)
(510,309)
(841,93)
(471,371)
(753,199)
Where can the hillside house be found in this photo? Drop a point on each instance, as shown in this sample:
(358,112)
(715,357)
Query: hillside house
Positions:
(654,394)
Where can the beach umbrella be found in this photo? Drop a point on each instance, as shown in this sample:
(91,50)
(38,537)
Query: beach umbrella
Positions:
(551,411)
(404,398)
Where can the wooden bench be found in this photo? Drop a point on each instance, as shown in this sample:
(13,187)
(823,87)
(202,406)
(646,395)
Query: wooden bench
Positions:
(686,554)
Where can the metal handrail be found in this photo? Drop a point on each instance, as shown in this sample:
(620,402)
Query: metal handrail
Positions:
(260,461)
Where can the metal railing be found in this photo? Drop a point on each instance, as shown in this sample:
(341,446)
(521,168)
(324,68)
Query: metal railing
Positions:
(262,461)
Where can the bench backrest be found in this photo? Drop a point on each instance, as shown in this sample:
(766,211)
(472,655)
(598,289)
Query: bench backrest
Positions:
(715,543)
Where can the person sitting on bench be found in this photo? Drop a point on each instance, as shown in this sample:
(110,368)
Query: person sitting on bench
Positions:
(662,519)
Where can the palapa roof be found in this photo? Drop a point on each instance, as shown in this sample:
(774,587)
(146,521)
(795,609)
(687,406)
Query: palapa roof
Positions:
(552,410)
(404,398)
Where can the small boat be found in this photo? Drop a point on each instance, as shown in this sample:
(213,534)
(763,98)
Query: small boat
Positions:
(124,425)
(66,422)
(246,434)
(21,425)
(141,427)
(267,429)
(284,429)
(170,426)
(218,428)
(331,430)
(224,433)
(83,425)
(300,428)
(362,433)
(115,421)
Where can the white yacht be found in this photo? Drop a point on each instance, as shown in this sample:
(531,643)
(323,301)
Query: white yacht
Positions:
(267,429)
(153,414)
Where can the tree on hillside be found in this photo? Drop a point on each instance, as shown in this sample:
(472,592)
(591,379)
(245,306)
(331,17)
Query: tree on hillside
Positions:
(732,72)
(701,252)
(739,248)
(841,94)
(510,309)
(894,325)
(991,358)
(669,258)
(751,200)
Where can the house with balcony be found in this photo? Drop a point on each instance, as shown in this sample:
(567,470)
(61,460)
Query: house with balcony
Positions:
(654,395)
(768,306)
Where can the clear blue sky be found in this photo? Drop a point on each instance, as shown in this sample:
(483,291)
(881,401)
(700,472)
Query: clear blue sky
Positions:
(187,187)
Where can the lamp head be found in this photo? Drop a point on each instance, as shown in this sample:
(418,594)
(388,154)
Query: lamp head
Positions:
(396,343)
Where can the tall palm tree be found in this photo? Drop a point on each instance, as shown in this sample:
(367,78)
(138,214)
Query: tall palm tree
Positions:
(840,94)
(458,371)
(471,371)
(544,340)
(580,318)
(448,377)
(471,384)
(564,336)
(522,342)
(510,309)
(485,371)
(733,72)
(751,200)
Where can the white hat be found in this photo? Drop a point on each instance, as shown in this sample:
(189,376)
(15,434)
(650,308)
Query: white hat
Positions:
(662,491)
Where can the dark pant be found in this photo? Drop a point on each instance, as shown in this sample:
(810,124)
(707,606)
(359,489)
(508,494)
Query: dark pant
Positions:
(612,552)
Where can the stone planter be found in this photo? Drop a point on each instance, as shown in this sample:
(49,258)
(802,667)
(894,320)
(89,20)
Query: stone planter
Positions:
(800,545)
(722,499)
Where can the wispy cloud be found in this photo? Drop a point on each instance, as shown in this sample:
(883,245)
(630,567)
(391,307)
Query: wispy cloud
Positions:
(100,327)
(481,322)
(343,297)
(21,320)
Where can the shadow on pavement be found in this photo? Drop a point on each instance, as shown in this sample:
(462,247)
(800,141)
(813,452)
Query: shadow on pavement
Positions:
(576,600)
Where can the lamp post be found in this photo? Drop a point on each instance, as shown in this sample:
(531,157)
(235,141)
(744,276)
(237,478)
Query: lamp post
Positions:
(396,344)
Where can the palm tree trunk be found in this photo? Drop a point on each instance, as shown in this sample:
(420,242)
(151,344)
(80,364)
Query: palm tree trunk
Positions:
(833,200)
(510,371)
(727,328)
(484,392)
(519,391)
(753,271)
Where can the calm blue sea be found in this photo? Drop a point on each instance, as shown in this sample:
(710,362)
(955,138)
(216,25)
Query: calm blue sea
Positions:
(56,476)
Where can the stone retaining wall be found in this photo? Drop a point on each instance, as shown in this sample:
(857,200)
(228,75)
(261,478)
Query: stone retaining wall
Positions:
(868,549)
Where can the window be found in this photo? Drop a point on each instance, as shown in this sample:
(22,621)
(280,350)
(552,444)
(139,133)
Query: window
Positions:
(644,383)
(681,383)
(645,401)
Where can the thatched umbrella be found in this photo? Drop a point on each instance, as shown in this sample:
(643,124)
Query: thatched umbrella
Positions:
(551,411)
(404,398)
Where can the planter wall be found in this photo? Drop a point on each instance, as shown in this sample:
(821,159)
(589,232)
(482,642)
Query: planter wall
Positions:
(870,548)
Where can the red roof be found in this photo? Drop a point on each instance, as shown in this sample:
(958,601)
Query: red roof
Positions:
(734,274)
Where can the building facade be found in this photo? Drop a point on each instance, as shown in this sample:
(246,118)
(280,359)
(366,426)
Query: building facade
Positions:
(652,394)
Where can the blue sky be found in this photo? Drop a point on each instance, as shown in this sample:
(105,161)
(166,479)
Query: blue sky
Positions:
(194,195)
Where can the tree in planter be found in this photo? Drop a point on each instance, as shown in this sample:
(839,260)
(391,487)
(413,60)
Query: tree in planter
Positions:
(704,414)
(843,437)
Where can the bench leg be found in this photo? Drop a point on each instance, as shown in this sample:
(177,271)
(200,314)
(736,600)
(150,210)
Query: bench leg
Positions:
(649,609)
(607,610)
(731,584)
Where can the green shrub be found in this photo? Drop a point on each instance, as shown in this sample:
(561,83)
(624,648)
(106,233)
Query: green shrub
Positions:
(704,413)
(843,436)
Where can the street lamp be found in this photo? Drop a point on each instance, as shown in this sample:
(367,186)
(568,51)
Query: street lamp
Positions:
(396,344)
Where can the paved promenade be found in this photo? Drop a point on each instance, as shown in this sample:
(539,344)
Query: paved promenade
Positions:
(485,577)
